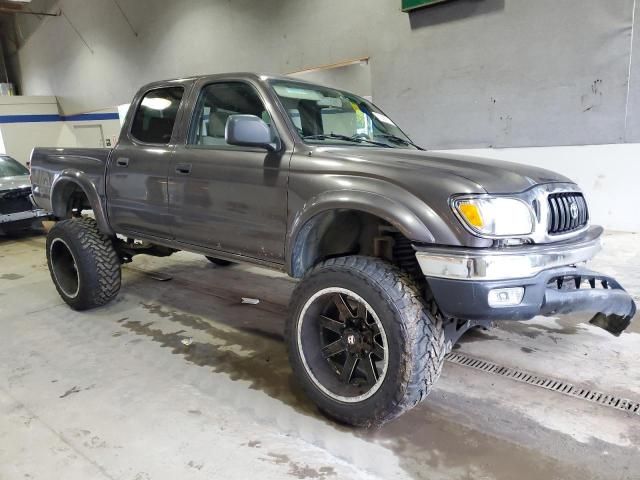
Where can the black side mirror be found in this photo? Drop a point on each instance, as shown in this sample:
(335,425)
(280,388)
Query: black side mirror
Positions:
(249,131)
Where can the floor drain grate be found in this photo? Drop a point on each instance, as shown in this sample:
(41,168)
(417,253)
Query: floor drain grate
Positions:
(547,383)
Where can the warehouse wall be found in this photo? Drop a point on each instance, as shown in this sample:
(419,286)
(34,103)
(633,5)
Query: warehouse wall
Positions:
(465,73)
(355,77)
(27,122)
(608,175)
(20,137)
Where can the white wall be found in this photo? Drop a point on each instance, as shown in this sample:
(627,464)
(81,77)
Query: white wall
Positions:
(608,174)
(21,137)
(110,128)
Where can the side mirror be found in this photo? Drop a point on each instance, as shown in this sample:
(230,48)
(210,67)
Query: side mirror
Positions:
(249,131)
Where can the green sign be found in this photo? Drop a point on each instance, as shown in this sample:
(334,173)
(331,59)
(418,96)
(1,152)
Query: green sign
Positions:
(408,5)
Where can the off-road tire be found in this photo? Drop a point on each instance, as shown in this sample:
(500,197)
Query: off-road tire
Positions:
(219,261)
(96,262)
(416,342)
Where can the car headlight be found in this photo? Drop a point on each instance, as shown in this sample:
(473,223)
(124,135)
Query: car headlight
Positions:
(495,216)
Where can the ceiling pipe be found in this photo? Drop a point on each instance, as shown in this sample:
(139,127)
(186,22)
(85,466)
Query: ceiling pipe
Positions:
(29,12)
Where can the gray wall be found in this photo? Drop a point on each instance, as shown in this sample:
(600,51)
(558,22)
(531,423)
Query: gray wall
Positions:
(466,73)
(355,78)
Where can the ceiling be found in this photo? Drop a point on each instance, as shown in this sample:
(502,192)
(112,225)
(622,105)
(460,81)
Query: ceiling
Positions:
(12,6)
(11,10)
(8,42)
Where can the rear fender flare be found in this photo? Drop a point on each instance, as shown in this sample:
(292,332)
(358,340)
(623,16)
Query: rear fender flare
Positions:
(59,200)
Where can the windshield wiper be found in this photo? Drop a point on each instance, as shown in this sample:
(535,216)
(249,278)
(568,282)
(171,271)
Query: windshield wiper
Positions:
(346,138)
(398,139)
(323,136)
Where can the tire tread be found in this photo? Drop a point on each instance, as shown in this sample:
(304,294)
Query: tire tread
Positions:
(423,332)
(98,258)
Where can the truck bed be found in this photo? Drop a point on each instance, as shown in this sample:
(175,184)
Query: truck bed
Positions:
(47,164)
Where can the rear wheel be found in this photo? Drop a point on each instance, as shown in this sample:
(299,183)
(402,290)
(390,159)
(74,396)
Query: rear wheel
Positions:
(219,261)
(83,263)
(361,341)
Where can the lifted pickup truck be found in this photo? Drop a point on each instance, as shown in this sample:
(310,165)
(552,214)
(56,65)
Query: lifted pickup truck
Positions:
(399,250)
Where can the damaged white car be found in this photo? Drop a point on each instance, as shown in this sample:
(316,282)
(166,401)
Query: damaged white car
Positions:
(17,210)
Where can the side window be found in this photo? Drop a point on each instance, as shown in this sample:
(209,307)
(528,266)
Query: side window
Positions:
(217,102)
(156,115)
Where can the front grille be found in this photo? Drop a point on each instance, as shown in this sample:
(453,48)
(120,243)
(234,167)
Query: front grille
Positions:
(15,201)
(567,212)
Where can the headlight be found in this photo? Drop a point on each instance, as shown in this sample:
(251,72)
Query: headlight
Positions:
(495,216)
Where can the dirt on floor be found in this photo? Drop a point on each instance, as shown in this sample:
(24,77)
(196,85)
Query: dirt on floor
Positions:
(179,379)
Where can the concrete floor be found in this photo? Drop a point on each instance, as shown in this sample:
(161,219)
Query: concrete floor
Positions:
(113,393)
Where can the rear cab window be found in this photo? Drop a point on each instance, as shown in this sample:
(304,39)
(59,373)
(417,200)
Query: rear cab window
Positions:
(156,115)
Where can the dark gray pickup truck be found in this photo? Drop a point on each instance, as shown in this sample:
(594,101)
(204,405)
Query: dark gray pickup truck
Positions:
(399,250)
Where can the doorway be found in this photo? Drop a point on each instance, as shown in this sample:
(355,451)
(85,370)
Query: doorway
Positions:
(89,136)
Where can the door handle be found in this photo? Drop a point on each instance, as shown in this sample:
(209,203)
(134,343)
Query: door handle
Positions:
(183,168)
(122,162)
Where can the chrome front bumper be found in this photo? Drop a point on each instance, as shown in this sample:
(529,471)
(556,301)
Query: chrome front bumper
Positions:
(509,262)
(549,278)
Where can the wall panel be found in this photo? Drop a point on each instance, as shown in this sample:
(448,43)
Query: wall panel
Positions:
(465,73)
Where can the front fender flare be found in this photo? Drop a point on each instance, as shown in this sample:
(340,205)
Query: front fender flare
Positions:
(78,178)
(397,214)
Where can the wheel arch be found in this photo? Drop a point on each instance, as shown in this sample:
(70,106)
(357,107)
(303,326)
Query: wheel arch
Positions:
(70,182)
(308,226)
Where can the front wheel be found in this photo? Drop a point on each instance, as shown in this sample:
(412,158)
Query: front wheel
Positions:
(361,341)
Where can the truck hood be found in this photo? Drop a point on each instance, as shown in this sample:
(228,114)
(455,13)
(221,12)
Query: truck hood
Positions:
(14,183)
(485,175)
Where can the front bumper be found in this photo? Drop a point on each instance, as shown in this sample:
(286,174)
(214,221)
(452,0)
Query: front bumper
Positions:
(461,279)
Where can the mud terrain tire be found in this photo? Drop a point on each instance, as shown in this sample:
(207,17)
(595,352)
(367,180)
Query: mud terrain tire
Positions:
(415,343)
(83,263)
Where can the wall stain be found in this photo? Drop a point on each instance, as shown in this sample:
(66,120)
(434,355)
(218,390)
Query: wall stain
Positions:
(593,98)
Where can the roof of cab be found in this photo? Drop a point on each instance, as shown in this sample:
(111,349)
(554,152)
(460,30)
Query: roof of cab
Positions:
(222,76)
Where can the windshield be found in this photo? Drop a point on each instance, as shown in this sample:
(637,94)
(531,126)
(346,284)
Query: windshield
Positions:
(326,116)
(11,168)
